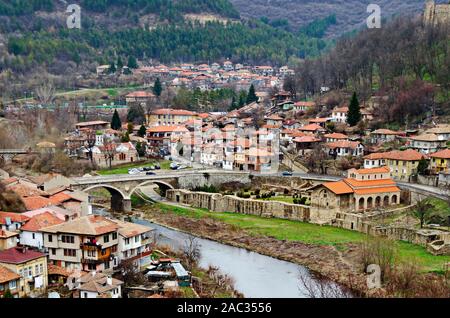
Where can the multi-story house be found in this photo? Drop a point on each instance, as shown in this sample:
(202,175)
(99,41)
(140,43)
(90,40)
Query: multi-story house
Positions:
(344,148)
(9,281)
(440,162)
(86,243)
(339,114)
(427,143)
(168,117)
(30,265)
(30,233)
(160,137)
(384,135)
(135,243)
(403,164)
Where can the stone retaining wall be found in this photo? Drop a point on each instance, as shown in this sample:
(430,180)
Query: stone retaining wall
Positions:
(227,203)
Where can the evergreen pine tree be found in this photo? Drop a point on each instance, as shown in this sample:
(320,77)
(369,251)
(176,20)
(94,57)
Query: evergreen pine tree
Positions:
(119,64)
(112,68)
(132,63)
(157,88)
(142,131)
(233,105)
(242,99)
(251,96)
(354,112)
(116,124)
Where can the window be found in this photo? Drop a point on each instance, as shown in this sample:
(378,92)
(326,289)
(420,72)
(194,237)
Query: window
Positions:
(91,253)
(106,238)
(114,249)
(114,236)
(136,239)
(106,265)
(41,268)
(34,236)
(50,238)
(127,241)
(53,251)
(30,272)
(68,239)
(12,284)
(85,295)
(36,269)
(104,251)
(70,252)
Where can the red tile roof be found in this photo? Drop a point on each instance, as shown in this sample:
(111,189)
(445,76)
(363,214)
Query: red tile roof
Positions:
(40,221)
(140,94)
(15,217)
(311,127)
(36,202)
(443,154)
(19,255)
(338,187)
(7,275)
(343,144)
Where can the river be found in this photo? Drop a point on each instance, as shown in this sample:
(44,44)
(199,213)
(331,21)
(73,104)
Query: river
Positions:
(254,275)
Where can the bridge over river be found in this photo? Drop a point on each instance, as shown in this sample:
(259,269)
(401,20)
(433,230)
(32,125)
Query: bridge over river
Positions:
(122,187)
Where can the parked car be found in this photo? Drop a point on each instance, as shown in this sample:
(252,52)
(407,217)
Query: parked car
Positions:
(174,166)
(152,167)
(133,171)
(182,167)
(149,173)
(157,166)
(287,173)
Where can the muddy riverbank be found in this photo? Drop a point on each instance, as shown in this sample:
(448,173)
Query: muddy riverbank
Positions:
(339,265)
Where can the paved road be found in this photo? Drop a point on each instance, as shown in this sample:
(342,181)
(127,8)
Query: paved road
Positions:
(164,174)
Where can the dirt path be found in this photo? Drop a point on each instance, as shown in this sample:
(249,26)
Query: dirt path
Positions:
(327,261)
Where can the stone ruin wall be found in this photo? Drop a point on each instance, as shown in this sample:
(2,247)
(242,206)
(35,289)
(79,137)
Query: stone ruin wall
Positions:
(225,203)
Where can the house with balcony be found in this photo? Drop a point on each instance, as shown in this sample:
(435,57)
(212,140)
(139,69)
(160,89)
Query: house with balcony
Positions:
(86,243)
(427,143)
(135,243)
(440,162)
(30,266)
(344,148)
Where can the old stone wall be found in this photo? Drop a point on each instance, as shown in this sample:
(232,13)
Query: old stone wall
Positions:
(227,203)
(202,179)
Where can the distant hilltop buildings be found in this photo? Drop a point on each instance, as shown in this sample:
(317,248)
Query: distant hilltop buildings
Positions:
(436,13)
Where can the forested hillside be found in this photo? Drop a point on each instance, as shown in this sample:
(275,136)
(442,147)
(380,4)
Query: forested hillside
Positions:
(404,61)
(350,14)
(35,33)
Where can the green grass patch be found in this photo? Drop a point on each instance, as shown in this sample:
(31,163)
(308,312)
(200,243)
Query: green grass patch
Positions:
(188,292)
(307,233)
(123,169)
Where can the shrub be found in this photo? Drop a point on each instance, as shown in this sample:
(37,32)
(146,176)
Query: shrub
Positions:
(302,200)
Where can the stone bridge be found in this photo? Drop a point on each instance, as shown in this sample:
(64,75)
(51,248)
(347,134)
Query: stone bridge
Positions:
(122,187)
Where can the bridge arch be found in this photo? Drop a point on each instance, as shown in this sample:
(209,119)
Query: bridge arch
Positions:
(164,186)
(117,196)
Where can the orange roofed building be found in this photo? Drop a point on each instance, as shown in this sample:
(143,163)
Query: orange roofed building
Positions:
(168,116)
(363,190)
